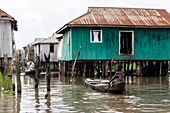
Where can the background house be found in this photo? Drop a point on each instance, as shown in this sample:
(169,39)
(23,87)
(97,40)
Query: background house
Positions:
(29,49)
(7,42)
(122,34)
(7,25)
(47,46)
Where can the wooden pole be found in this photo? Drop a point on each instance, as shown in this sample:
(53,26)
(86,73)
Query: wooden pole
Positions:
(128,64)
(160,69)
(13,75)
(106,68)
(84,69)
(18,75)
(110,69)
(78,53)
(13,82)
(125,68)
(168,72)
(48,75)
(59,68)
(103,68)
(131,68)
(37,71)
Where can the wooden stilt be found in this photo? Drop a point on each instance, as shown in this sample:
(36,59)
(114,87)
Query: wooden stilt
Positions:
(125,67)
(168,72)
(69,69)
(165,67)
(37,71)
(144,68)
(48,75)
(128,63)
(138,68)
(110,68)
(131,68)
(106,68)
(63,68)
(103,68)
(81,69)
(18,75)
(160,69)
(92,70)
(84,69)
(87,70)
(66,68)
(59,68)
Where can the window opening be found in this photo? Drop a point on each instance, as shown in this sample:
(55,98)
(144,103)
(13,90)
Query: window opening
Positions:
(51,48)
(126,43)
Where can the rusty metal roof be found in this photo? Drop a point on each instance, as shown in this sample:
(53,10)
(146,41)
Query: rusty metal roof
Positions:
(50,40)
(5,16)
(113,16)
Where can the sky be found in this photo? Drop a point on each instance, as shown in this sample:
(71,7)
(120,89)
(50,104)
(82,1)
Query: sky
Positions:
(42,18)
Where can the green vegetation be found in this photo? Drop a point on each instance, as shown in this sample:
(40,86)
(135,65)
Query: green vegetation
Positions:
(5,84)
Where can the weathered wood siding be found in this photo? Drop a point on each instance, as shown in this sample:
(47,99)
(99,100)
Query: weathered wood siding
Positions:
(149,44)
(6,35)
(36,51)
(45,48)
(59,50)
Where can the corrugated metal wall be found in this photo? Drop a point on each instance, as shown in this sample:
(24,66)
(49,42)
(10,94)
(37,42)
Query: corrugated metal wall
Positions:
(5,38)
(149,44)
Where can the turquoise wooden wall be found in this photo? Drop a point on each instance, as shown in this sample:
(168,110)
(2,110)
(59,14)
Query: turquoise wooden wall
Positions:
(149,44)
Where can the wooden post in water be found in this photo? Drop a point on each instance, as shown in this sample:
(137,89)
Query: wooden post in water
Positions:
(84,69)
(37,71)
(78,53)
(106,68)
(59,68)
(160,69)
(128,64)
(103,68)
(48,75)
(168,72)
(18,74)
(131,68)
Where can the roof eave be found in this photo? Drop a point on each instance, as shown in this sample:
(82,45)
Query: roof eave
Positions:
(63,29)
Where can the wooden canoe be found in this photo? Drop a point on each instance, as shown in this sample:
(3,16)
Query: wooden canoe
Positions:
(104,85)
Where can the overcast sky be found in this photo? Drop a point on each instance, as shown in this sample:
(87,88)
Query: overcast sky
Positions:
(41,18)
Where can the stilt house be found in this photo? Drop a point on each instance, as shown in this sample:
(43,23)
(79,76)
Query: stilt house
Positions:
(30,48)
(124,34)
(7,42)
(47,46)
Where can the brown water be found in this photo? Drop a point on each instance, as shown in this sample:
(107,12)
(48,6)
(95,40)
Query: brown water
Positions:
(144,94)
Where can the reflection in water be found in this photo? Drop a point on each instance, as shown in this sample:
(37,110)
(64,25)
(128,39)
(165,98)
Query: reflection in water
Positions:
(143,94)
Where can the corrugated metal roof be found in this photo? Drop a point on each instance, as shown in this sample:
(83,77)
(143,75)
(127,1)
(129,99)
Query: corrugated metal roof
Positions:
(53,39)
(37,40)
(112,16)
(5,16)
